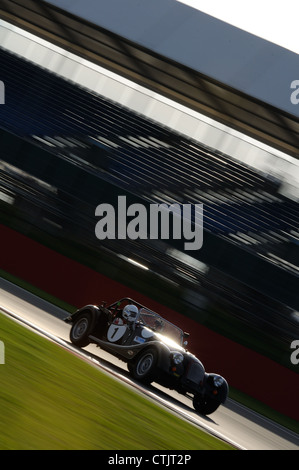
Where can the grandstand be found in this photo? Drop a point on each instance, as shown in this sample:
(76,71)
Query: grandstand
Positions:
(66,148)
(136,154)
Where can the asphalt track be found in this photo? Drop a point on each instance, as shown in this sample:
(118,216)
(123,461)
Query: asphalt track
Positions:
(232,422)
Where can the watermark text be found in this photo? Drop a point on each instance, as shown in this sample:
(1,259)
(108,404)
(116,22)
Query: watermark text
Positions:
(295,94)
(2,353)
(139,222)
(2,92)
(295,354)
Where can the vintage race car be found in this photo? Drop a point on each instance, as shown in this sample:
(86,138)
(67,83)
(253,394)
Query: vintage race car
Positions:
(153,348)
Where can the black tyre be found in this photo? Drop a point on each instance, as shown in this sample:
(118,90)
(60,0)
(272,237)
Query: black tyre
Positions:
(144,366)
(205,405)
(81,329)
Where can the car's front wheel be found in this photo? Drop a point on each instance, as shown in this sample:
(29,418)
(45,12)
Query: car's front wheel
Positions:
(205,405)
(143,368)
(81,329)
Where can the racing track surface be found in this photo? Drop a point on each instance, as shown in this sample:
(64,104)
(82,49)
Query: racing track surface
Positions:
(232,422)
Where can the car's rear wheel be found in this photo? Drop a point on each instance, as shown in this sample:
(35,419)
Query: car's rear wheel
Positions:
(144,366)
(204,404)
(81,329)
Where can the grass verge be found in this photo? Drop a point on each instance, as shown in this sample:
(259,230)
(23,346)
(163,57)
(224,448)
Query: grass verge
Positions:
(52,400)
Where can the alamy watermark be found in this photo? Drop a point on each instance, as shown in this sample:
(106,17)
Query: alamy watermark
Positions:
(136,221)
(295,94)
(295,354)
(2,92)
(2,353)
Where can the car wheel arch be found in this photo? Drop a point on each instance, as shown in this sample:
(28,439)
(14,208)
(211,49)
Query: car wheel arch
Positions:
(222,390)
(145,349)
(93,310)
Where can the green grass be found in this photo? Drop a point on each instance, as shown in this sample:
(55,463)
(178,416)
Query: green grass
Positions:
(52,400)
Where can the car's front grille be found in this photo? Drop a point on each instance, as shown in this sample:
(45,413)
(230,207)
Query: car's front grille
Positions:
(195,372)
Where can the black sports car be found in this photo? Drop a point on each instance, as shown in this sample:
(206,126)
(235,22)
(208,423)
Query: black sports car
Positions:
(153,348)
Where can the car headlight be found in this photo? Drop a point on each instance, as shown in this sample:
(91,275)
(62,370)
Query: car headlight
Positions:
(218,381)
(177,358)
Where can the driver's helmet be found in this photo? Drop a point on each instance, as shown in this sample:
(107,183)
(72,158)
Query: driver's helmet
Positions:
(130,313)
